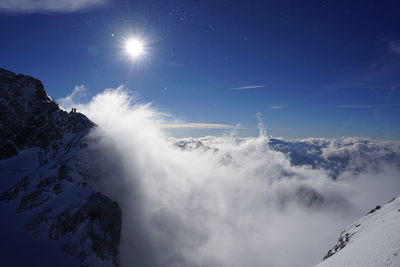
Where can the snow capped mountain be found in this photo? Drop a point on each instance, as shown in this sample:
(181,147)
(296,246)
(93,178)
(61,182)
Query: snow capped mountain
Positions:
(48,182)
(371,241)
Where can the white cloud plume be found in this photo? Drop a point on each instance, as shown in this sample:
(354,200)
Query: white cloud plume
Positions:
(234,203)
(40,6)
(249,87)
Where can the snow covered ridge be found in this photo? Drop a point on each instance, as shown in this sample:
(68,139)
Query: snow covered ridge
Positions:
(371,241)
(49,169)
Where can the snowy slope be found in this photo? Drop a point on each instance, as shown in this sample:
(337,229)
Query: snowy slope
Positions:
(372,241)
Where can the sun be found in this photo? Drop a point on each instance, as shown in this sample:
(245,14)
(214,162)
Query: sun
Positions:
(135,47)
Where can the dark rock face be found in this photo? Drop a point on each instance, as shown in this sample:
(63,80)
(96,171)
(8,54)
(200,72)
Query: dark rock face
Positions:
(342,242)
(7,149)
(374,209)
(100,218)
(58,197)
(29,117)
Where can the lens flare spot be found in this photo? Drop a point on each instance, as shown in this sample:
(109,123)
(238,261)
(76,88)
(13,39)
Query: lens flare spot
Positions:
(135,47)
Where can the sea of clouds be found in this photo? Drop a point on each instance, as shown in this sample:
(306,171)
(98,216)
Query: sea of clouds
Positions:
(227,201)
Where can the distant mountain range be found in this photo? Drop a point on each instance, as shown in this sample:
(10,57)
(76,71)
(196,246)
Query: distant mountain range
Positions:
(352,154)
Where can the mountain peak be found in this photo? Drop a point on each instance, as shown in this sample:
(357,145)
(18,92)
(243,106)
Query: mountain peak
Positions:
(22,86)
(29,117)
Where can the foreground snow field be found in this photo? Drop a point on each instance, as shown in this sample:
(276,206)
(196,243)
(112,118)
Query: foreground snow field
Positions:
(372,241)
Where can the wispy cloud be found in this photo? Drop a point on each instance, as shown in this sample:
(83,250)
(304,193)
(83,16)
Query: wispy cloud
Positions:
(77,94)
(278,107)
(381,74)
(197,125)
(249,87)
(175,64)
(371,85)
(394,47)
(356,106)
(44,6)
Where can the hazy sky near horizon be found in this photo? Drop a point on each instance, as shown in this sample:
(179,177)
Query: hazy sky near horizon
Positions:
(311,68)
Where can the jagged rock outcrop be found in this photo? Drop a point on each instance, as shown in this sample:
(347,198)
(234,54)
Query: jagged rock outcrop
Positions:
(30,118)
(57,195)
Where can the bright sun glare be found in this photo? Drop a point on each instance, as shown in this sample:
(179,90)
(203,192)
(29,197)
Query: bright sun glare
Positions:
(134,47)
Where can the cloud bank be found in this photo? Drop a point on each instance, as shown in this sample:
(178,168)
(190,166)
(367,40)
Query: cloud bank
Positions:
(42,6)
(225,201)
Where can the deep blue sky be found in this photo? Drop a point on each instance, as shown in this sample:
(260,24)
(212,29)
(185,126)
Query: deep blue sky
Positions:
(330,68)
